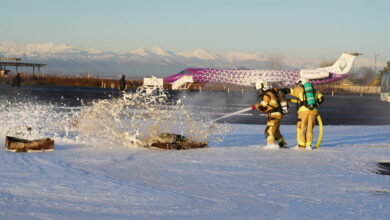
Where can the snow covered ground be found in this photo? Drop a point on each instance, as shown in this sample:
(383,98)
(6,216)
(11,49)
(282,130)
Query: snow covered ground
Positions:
(233,179)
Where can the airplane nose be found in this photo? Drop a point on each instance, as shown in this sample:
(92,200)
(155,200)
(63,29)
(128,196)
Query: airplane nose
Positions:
(172,78)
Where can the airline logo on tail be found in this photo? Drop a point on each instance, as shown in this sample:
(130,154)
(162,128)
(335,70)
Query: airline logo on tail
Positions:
(342,65)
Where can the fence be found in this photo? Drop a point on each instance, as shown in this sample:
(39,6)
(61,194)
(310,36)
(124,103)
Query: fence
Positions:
(342,89)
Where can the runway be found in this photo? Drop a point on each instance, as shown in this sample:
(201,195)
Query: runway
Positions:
(336,110)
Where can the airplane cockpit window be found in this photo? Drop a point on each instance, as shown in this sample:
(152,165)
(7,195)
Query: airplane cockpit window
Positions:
(184,72)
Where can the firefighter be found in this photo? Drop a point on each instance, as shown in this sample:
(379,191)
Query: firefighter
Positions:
(269,103)
(308,100)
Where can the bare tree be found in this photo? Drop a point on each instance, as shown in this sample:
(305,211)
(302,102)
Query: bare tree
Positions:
(386,69)
(368,75)
(326,63)
(363,76)
(275,62)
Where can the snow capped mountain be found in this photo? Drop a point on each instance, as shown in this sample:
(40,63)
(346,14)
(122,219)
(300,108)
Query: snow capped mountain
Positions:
(70,59)
(201,54)
(240,56)
(68,52)
(142,52)
(12,48)
(48,51)
(154,51)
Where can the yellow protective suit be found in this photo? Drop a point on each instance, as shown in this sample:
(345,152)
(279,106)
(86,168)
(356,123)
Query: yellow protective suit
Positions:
(269,105)
(306,117)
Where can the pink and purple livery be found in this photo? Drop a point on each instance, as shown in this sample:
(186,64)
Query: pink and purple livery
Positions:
(339,70)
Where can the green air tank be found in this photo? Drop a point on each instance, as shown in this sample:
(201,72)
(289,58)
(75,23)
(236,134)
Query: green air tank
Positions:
(309,91)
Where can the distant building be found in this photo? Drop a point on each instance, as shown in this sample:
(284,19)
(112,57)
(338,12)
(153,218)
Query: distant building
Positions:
(16,62)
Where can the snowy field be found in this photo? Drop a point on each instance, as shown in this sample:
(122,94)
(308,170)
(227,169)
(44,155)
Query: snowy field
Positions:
(233,179)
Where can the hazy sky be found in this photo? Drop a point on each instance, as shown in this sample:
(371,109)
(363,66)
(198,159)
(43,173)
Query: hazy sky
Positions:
(306,28)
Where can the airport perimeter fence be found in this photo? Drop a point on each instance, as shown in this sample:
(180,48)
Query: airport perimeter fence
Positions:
(349,89)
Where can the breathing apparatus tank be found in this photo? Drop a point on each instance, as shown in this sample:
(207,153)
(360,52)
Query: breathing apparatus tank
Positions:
(309,92)
(283,101)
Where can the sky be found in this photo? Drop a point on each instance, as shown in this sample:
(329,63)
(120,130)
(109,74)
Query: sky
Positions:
(306,28)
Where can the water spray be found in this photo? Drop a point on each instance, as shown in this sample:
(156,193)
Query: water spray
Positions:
(132,120)
(233,113)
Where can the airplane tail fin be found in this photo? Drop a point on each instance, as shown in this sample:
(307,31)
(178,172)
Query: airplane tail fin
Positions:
(342,65)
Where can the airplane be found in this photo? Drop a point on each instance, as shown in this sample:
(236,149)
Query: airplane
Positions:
(286,78)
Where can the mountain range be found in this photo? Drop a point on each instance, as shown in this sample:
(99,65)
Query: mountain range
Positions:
(67,59)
